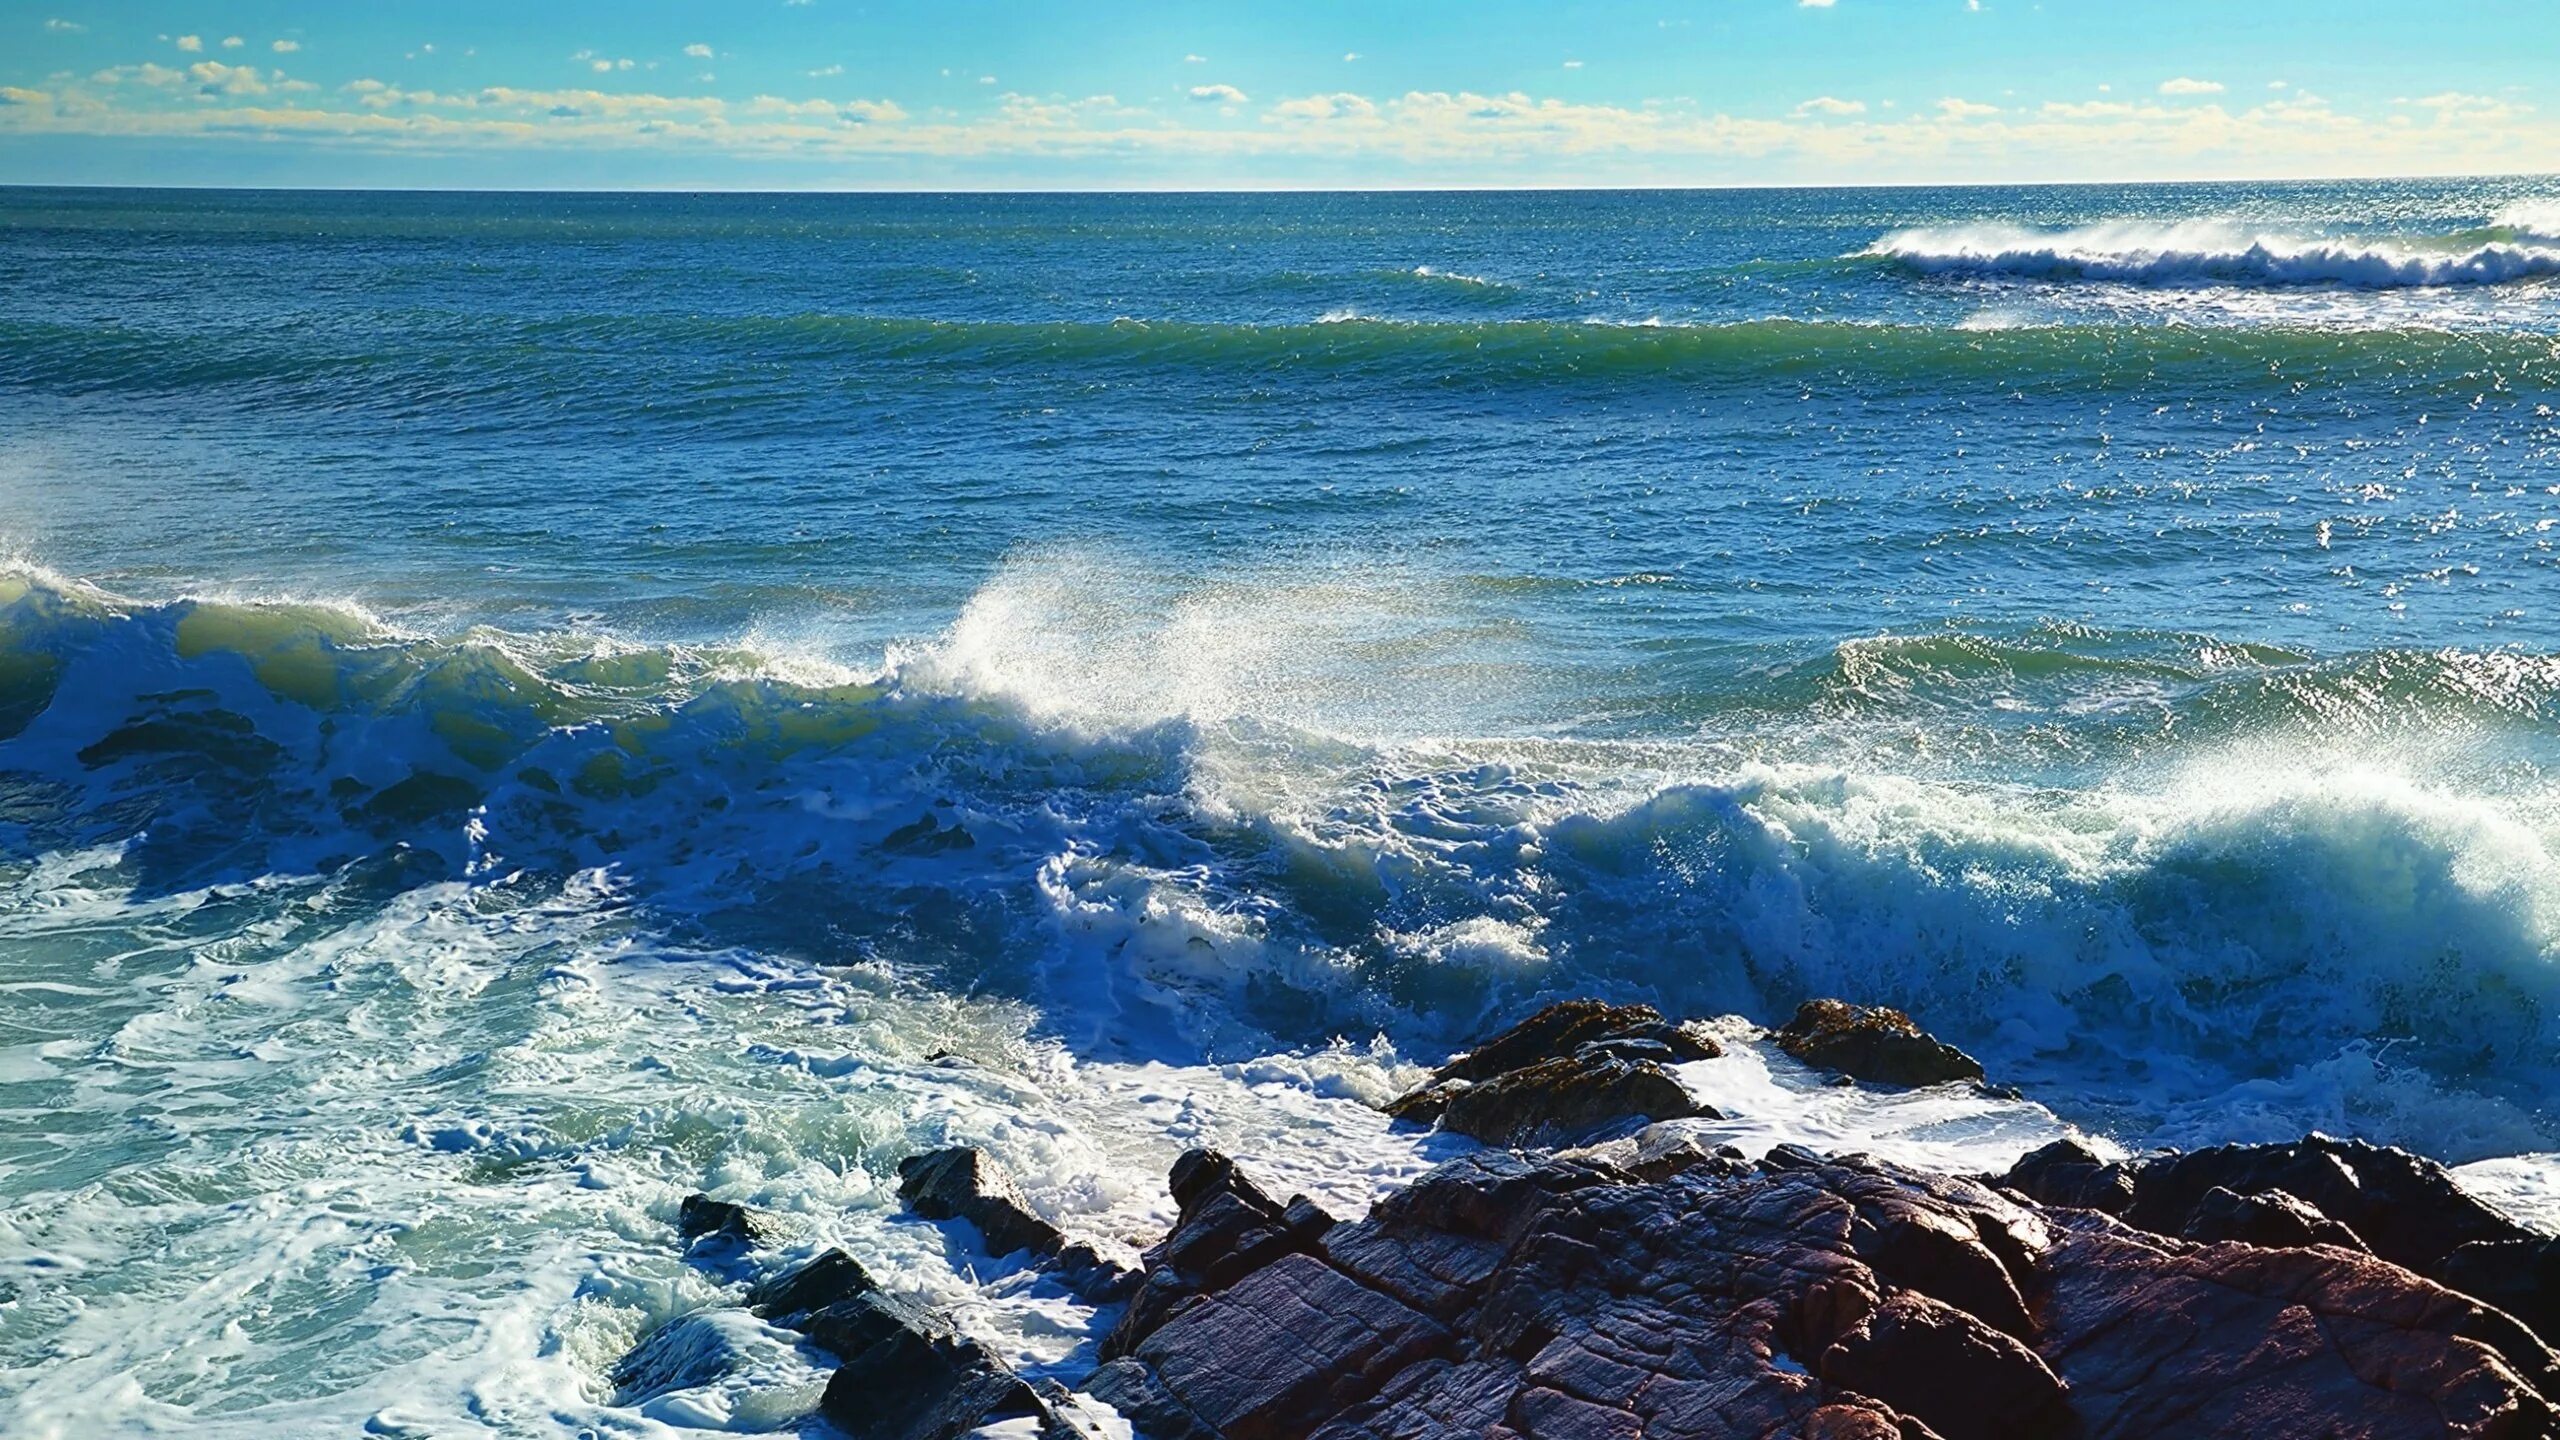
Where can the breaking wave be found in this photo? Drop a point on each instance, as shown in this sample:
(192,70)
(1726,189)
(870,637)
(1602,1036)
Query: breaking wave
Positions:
(2241,922)
(2519,247)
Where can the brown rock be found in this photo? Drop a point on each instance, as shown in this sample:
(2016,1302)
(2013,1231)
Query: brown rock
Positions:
(1566,1300)
(1575,1066)
(1873,1044)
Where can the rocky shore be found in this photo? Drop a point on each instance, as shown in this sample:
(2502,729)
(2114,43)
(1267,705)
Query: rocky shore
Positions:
(1598,1272)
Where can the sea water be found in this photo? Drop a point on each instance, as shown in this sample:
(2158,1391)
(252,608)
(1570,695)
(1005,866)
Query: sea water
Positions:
(515,708)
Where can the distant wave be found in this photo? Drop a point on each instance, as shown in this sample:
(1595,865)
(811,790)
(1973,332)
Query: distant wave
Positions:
(2537,218)
(2230,252)
(750,370)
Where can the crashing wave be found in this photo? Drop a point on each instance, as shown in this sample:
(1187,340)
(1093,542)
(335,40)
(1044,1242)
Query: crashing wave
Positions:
(1139,866)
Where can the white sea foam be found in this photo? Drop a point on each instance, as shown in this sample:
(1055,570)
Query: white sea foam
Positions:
(2216,252)
(1151,850)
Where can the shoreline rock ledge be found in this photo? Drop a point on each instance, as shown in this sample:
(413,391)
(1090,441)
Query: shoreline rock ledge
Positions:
(1628,1292)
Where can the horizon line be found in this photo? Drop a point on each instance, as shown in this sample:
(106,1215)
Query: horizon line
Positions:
(1284,189)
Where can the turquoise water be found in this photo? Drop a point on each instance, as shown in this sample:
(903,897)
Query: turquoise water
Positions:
(516,707)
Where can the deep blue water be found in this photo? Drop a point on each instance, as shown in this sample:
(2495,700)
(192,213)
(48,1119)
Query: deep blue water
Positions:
(513,707)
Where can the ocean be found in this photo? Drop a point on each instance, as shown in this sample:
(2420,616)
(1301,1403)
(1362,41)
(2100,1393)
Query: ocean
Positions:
(518,707)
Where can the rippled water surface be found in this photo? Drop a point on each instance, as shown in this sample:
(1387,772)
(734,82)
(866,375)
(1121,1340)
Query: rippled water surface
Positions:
(517,707)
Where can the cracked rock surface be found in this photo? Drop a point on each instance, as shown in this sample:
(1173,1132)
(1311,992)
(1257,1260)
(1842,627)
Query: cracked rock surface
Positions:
(1561,1299)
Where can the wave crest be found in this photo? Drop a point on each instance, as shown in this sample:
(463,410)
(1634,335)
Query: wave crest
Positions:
(2223,252)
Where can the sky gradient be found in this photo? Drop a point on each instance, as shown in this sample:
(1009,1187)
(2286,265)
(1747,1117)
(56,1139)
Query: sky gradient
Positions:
(977,94)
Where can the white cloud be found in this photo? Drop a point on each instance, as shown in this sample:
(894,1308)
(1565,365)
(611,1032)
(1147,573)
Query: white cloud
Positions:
(212,77)
(1816,4)
(1195,59)
(64,27)
(1350,55)
(287,47)
(13,95)
(825,71)
(1217,95)
(986,79)
(1831,105)
(698,52)
(2276,85)
(191,43)
(232,42)
(2184,85)
(1443,136)
(1573,64)
(146,72)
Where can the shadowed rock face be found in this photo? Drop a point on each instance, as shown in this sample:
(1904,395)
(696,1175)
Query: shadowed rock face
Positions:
(1565,1299)
(1575,1067)
(1872,1043)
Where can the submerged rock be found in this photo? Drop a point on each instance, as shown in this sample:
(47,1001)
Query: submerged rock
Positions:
(1574,1067)
(2403,1208)
(700,1217)
(1872,1043)
(1564,1298)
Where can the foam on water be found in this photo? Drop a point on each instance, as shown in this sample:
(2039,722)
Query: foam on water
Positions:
(2225,252)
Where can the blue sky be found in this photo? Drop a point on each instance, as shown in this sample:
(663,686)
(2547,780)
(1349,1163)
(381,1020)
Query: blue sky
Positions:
(1125,93)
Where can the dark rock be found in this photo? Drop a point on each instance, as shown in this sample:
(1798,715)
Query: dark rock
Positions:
(965,1183)
(2401,1207)
(1093,1277)
(1564,1299)
(829,1279)
(1961,1377)
(1872,1044)
(907,1377)
(1557,1099)
(1227,1227)
(1566,1026)
(689,1351)
(1284,1347)
(700,1216)
(2270,1218)
(1584,1031)
(2067,1172)
(1791,1156)
(2519,1276)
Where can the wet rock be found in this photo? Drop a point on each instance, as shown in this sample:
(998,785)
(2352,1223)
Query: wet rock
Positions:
(2270,1218)
(832,1278)
(965,1183)
(1565,1298)
(1872,1044)
(1568,1025)
(1226,1228)
(700,1217)
(691,1351)
(2519,1276)
(1294,1340)
(907,1376)
(1955,1373)
(2401,1207)
(1559,1099)
(1575,1066)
